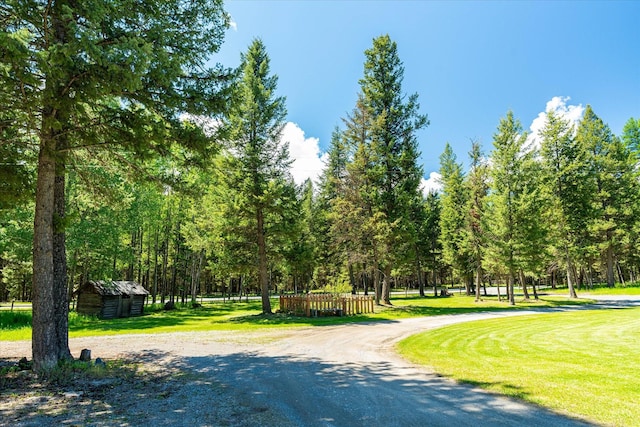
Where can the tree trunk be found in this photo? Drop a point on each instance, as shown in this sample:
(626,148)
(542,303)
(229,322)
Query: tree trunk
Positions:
(386,285)
(570,279)
(523,282)
(262,264)
(60,282)
(620,275)
(478,281)
(47,338)
(510,289)
(352,280)
(132,248)
(611,279)
(421,278)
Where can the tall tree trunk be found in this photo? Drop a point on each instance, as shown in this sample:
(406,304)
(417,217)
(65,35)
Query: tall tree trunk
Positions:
(365,280)
(60,279)
(611,278)
(44,334)
(420,276)
(523,281)
(478,281)
(154,293)
(139,252)
(263,264)
(352,280)
(386,285)
(132,247)
(510,288)
(620,274)
(377,284)
(570,278)
(49,341)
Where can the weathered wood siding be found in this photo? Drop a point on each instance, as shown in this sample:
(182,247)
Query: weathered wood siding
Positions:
(110,307)
(90,304)
(137,305)
(110,300)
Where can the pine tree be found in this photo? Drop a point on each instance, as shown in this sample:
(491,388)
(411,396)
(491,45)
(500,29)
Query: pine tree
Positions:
(257,176)
(454,201)
(631,136)
(477,188)
(395,173)
(611,171)
(94,74)
(331,187)
(566,192)
(510,197)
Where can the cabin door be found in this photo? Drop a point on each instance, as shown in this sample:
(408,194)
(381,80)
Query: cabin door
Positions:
(126,306)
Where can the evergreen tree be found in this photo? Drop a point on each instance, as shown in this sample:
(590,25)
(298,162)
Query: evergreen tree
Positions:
(567,193)
(257,176)
(631,136)
(331,187)
(454,201)
(611,170)
(477,188)
(395,173)
(430,235)
(509,198)
(96,73)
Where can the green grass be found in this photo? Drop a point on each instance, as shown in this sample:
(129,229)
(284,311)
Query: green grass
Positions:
(16,325)
(618,290)
(582,363)
(414,306)
(631,288)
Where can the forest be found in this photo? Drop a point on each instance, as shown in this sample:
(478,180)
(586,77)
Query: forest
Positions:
(125,158)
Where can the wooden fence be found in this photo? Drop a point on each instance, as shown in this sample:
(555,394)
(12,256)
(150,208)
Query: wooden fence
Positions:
(313,305)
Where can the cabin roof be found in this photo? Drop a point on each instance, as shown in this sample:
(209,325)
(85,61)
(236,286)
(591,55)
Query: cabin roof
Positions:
(117,287)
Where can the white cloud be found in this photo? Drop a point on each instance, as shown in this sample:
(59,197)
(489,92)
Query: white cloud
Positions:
(233,24)
(557,104)
(308,160)
(208,125)
(433,184)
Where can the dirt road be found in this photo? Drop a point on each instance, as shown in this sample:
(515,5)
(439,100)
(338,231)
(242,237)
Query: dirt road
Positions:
(324,376)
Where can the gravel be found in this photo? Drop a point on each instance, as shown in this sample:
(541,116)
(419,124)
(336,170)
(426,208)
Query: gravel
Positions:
(345,375)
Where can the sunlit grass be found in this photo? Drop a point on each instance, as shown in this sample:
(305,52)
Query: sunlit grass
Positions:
(618,290)
(415,306)
(246,316)
(583,363)
(630,288)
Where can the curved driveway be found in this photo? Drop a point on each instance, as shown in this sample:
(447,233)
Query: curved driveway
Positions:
(344,375)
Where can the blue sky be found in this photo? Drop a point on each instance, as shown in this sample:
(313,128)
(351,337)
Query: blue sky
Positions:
(469,61)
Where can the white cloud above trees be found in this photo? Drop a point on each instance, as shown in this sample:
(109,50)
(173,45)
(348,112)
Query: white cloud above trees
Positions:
(432,184)
(308,160)
(557,104)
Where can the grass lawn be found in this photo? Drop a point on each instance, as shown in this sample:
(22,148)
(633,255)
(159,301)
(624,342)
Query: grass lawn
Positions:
(602,289)
(583,363)
(611,291)
(16,325)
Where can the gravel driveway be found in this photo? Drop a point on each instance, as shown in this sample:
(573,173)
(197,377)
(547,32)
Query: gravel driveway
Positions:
(343,375)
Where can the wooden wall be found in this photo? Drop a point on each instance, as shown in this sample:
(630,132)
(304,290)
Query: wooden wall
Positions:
(110,306)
